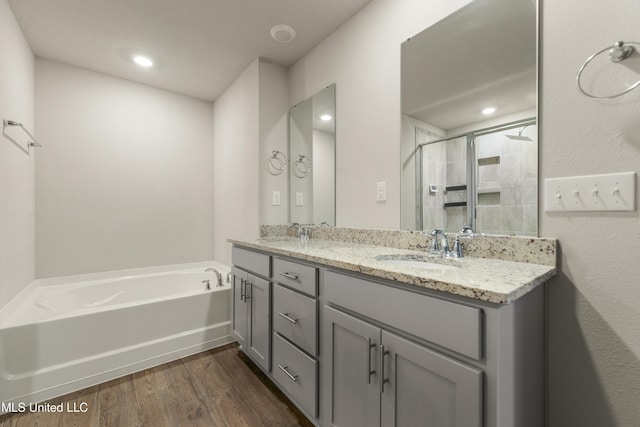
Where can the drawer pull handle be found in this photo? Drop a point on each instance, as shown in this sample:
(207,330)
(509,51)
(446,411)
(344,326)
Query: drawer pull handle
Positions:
(285,369)
(383,380)
(290,319)
(289,276)
(371,372)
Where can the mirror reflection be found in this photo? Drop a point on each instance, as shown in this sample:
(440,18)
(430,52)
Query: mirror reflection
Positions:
(469,128)
(312,159)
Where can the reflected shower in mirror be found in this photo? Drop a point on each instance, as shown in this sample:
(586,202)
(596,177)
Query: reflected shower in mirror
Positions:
(469,130)
(312,159)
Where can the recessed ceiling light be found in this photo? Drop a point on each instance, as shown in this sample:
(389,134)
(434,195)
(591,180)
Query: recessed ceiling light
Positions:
(283,33)
(142,61)
(488,110)
(325,117)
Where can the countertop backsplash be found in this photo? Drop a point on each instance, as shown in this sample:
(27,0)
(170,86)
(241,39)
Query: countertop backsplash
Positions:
(534,250)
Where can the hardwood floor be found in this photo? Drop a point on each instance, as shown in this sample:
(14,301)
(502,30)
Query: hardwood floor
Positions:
(219,387)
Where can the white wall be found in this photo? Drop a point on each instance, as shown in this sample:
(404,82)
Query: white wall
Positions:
(363,58)
(273,121)
(236,162)
(323,175)
(594,303)
(125,176)
(17,198)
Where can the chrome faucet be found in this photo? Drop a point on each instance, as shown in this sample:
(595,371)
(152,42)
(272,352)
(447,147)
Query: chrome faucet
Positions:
(439,242)
(304,231)
(465,232)
(218,277)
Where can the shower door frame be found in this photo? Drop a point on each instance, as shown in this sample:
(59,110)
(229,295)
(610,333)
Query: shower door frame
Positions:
(471,167)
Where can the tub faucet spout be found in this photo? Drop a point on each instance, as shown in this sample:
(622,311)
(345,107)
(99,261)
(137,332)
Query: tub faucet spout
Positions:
(218,276)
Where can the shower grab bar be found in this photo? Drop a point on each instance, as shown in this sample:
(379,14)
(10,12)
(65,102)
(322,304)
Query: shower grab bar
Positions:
(9,123)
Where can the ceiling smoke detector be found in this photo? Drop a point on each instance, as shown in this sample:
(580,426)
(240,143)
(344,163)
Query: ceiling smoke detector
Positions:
(283,33)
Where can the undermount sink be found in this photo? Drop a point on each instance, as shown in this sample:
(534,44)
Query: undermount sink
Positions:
(418,261)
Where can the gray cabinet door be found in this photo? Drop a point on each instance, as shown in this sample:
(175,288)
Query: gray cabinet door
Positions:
(350,375)
(258,297)
(240,307)
(426,388)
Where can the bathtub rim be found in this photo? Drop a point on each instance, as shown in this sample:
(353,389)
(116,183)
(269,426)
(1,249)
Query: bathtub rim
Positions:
(7,312)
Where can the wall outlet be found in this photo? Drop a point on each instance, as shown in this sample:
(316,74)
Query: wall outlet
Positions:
(609,192)
(275,198)
(381,191)
(299,199)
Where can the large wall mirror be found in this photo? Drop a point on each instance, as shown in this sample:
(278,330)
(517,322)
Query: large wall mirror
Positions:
(469,121)
(312,153)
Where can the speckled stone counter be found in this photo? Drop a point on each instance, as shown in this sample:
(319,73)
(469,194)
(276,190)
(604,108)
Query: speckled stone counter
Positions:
(488,279)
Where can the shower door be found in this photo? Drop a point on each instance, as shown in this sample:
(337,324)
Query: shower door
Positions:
(486,179)
(443,199)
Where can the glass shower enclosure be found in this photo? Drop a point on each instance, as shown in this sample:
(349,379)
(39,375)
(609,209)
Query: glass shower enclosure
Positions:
(486,179)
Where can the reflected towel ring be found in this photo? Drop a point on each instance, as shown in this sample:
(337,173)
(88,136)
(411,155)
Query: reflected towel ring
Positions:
(617,53)
(301,167)
(276,163)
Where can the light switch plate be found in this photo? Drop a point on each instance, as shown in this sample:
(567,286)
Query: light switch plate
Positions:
(275,198)
(608,192)
(381,191)
(299,199)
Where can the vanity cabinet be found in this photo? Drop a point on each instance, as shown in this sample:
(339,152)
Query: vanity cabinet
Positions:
(395,356)
(349,349)
(378,378)
(252,304)
(295,333)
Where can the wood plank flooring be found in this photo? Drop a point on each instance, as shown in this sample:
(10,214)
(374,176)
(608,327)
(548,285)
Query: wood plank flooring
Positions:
(219,387)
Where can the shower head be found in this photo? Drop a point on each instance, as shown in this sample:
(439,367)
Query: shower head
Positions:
(519,136)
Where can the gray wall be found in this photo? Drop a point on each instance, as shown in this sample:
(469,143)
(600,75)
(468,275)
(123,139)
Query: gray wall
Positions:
(17,199)
(594,303)
(125,178)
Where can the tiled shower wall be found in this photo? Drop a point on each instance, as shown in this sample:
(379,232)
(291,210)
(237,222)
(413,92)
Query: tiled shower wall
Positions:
(506,177)
(507,183)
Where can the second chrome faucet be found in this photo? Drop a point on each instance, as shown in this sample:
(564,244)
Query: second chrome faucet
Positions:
(440,243)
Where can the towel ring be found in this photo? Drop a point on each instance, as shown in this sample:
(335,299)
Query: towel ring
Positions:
(617,53)
(301,167)
(276,163)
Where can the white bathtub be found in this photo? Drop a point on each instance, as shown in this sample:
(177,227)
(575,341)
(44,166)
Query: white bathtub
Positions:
(60,335)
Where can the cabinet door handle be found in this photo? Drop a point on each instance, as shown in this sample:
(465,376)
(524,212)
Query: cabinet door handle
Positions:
(290,319)
(383,380)
(285,369)
(242,289)
(370,372)
(289,275)
(248,290)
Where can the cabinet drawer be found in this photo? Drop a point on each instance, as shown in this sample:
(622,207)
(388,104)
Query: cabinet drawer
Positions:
(297,373)
(295,275)
(251,261)
(295,316)
(454,326)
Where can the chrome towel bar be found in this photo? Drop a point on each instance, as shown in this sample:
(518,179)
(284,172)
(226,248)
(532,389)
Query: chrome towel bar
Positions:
(9,123)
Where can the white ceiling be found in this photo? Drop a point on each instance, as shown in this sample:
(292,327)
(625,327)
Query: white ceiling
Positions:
(199,46)
(483,55)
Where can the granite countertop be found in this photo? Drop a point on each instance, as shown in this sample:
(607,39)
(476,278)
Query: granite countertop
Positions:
(493,280)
